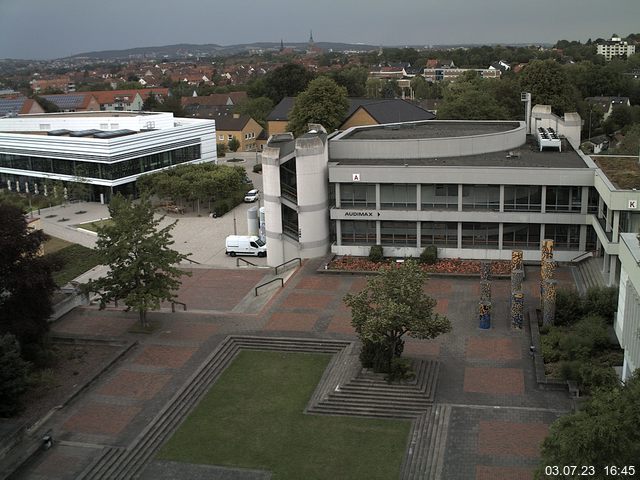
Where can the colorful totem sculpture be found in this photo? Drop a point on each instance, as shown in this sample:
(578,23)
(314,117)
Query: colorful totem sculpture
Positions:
(517,309)
(547,284)
(484,307)
(549,302)
(484,310)
(517,297)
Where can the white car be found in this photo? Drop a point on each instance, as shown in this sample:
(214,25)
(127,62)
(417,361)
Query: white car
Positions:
(252,195)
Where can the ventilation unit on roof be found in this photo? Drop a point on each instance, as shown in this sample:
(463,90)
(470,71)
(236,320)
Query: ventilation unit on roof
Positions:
(548,138)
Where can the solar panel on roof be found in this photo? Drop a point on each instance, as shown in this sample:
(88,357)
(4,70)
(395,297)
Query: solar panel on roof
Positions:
(66,101)
(84,133)
(114,134)
(11,105)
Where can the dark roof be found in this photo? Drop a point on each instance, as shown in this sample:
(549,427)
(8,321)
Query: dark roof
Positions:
(223,116)
(67,101)
(395,110)
(11,105)
(383,110)
(281,111)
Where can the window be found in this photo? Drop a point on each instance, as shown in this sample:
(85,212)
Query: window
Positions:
(221,138)
(481,197)
(290,222)
(443,234)
(357,195)
(439,197)
(519,198)
(520,235)
(564,199)
(594,198)
(398,196)
(229,137)
(356,232)
(115,126)
(400,234)
(565,237)
(480,235)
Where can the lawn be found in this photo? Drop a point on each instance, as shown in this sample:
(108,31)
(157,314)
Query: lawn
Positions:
(93,226)
(253,418)
(71,260)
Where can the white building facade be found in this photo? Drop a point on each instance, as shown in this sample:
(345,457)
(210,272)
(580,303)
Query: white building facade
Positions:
(615,47)
(106,150)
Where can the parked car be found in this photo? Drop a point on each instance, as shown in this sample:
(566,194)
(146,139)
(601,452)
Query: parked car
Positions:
(252,195)
(245,245)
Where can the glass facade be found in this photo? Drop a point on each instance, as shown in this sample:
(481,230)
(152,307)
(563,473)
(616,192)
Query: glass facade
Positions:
(290,222)
(564,199)
(481,197)
(398,196)
(439,197)
(398,234)
(443,234)
(522,198)
(288,180)
(565,237)
(358,195)
(480,235)
(358,232)
(520,235)
(102,170)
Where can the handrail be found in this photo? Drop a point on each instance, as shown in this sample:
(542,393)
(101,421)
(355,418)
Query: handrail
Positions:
(298,259)
(584,254)
(173,305)
(238,260)
(192,261)
(267,283)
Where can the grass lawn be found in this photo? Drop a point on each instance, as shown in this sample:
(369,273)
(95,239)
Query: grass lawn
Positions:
(53,244)
(72,259)
(93,226)
(253,418)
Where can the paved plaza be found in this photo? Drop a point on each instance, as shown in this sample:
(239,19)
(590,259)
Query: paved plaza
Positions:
(498,415)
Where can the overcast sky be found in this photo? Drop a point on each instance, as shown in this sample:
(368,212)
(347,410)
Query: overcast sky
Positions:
(43,29)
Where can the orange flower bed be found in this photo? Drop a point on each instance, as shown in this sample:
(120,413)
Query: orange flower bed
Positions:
(443,265)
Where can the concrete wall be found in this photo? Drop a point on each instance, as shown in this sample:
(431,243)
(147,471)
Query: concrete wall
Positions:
(627,322)
(569,126)
(272,205)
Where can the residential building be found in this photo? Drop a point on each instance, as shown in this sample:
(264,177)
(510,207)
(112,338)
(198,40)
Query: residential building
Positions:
(216,99)
(607,104)
(63,84)
(127,100)
(19,105)
(229,125)
(74,102)
(615,47)
(107,151)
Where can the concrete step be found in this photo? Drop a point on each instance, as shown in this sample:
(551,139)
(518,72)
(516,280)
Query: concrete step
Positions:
(390,403)
(364,412)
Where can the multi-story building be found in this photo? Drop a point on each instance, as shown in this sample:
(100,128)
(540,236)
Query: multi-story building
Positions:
(106,150)
(627,323)
(615,47)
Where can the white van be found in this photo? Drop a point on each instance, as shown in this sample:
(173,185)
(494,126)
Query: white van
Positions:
(245,245)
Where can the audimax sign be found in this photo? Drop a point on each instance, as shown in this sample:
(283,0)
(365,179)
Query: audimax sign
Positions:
(361,213)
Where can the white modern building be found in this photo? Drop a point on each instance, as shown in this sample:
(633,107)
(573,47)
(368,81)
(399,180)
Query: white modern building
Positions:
(615,47)
(107,150)
(627,323)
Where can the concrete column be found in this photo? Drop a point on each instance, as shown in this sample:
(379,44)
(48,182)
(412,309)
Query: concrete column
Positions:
(600,205)
(613,271)
(543,201)
(459,235)
(378,234)
(541,233)
(378,197)
(418,234)
(583,238)
(605,263)
(337,195)
(501,207)
(500,233)
(459,198)
(609,220)
(272,206)
(615,226)
(339,232)
(418,197)
(584,204)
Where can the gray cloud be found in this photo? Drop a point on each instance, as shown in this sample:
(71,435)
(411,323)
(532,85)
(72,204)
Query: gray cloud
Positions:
(51,29)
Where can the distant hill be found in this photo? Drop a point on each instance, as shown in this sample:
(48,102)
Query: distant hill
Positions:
(186,49)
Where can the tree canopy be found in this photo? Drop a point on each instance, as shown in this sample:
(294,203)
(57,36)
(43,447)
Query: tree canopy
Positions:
(605,432)
(285,81)
(13,376)
(323,102)
(475,98)
(26,284)
(257,108)
(548,84)
(393,304)
(142,266)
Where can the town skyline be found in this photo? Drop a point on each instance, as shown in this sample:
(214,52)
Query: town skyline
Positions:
(73,27)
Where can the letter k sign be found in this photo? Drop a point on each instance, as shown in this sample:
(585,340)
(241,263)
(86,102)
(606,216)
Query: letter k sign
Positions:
(633,204)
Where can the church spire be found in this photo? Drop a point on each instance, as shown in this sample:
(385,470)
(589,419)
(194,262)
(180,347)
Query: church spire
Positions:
(281,45)
(310,37)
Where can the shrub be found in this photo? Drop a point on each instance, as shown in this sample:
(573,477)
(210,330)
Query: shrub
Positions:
(588,336)
(550,345)
(14,373)
(596,376)
(429,255)
(375,253)
(602,301)
(221,149)
(401,369)
(257,168)
(569,307)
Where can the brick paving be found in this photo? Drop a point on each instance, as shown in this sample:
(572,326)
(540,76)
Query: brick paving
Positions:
(499,416)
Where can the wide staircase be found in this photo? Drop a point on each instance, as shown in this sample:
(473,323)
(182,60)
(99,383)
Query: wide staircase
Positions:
(343,390)
(588,274)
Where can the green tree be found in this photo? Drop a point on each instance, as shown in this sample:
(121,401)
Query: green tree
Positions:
(605,432)
(13,376)
(394,304)
(471,100)
(630,144)
(25,282)
(323,102)
(234,144)
(222,149)
(548,84)
(150,103)
(353,78)
(142,266)
(47,105)
(285,81)
(256,108)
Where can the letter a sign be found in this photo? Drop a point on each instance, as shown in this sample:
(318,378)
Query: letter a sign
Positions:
(356,177)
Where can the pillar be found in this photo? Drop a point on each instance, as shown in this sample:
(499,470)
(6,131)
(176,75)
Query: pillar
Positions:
(549,303)
(517,276)
(517,309)
(484,310)
(485,270)
(517,260)
(485,291)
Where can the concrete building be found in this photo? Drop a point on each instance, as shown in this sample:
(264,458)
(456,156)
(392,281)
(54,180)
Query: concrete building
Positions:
(107,151)
(615,47)
(627,322)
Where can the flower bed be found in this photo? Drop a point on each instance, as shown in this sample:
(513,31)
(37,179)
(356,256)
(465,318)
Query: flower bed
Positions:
(443,265)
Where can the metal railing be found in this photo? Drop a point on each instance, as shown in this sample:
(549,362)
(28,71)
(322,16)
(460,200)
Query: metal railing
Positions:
(582,256)
(238,260)
(192,261)
(269,282)
(173,306)
(297,259)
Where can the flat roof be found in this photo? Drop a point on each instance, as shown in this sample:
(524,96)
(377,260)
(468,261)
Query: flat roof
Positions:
(527,155)
(100,113)
(623,172)
(429,129)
